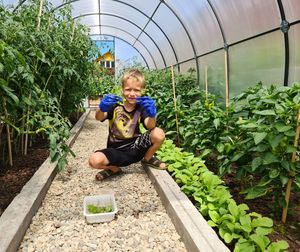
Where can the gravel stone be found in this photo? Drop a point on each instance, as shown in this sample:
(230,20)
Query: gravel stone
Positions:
(141,223)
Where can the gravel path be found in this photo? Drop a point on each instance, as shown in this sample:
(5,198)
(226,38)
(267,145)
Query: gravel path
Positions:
(141,224)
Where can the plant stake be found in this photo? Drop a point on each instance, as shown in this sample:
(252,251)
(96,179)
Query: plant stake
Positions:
(40,14)
(8,135)
(174,100)
(206,84)
(290,181)
(226,80)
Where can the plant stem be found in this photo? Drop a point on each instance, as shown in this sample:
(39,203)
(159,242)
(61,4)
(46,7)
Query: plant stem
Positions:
(291,179)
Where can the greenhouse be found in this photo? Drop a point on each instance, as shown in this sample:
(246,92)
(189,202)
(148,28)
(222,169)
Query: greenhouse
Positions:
(155,125)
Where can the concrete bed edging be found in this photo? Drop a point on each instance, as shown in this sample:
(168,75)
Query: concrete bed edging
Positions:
(196,234)
(13,222)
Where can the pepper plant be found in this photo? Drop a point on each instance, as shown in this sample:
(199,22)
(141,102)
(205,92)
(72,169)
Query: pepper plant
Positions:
(264,140)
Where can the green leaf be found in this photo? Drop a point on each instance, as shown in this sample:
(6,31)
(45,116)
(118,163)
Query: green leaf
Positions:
(274,173)
(233,208)
(282,127)
(237,157)
(216,123)
(264,230)
(205,153)
(259,241)
(228,238)
(211,223)
(256,162)
(296,99)
(244,245)
(270,158)
(255,192)
(9,92)
(274,140)
(262,222)
(265,112)
(259,136)
(297,180)
(284,179)
(250,125)
(245,221)
(278,246)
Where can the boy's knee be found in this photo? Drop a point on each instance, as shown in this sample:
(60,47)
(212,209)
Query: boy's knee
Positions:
(96,159)
(157,135)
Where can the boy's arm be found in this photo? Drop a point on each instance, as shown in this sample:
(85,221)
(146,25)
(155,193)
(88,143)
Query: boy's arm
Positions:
(100,116)
(150,123)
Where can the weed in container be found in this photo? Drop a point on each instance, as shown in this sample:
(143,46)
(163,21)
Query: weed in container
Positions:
(95,209)
(99,208)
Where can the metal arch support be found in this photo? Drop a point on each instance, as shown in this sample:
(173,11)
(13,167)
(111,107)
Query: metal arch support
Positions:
(19,4)
(285,28)
(128,42)
(124,42)
(149,18)
(189,37)
(226,56)
(129,21)
(219,24)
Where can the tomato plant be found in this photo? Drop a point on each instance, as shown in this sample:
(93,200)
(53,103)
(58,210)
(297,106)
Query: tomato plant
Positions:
(46,72)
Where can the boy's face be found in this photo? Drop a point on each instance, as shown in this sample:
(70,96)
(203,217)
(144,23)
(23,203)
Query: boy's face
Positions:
(131,90)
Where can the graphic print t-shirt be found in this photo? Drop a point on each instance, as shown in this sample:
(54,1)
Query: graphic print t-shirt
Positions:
(124,125)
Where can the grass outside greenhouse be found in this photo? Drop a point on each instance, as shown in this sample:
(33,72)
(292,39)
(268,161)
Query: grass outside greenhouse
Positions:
(237,162)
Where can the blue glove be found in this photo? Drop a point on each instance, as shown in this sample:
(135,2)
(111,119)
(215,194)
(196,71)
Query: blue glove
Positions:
(108,102)
(148,104)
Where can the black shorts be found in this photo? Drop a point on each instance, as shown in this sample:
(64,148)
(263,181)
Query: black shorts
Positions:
(129,153)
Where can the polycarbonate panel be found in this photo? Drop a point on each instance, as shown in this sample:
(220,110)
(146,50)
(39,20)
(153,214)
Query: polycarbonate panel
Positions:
(260,59)
(147,7)
(201,24)
(146,54)
(94,30)
(187,66)
(56,3)
(294,73)
(175,32)
(153,48)
(164,45)
(84,7)
(89,20)
(124,10)
(292,10)
(121,24)
(114,31)
(241,19)
(215,74)
(9,2)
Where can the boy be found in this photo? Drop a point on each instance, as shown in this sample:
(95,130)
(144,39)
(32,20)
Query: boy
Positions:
(125,144)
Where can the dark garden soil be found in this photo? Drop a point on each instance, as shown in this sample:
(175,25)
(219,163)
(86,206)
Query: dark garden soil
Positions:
(289,232)
(12,179)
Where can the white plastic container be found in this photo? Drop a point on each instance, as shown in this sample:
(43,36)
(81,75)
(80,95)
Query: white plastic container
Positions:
(99,200)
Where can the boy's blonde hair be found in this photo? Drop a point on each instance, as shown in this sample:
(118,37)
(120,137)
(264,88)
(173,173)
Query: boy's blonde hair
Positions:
(134,73)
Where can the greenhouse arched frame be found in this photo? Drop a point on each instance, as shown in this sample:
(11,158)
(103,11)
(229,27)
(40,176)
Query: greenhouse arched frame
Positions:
(228,40)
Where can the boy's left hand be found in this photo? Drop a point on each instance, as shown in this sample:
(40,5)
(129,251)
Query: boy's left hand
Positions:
(148,104)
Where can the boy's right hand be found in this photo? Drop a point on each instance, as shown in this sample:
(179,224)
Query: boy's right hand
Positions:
(108,101)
